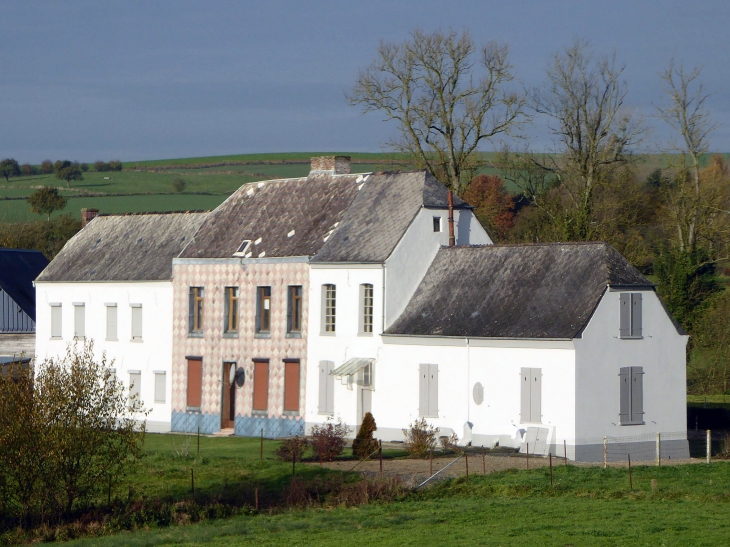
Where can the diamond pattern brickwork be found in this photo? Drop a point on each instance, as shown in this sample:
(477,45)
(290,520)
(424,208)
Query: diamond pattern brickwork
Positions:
(215,349)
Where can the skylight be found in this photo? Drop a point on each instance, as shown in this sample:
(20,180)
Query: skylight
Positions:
(243,248)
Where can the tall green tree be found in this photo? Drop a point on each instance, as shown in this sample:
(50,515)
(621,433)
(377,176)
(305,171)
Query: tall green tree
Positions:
(9,168)
(447,96)
(68,171)
(46,200)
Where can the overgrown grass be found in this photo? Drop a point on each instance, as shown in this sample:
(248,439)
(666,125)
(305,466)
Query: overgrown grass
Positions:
(587,506)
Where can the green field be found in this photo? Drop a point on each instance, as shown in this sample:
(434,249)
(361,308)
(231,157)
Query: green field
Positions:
(585,506)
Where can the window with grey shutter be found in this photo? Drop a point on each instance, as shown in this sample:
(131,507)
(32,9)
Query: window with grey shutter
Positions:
(531,395)
(135,383)
(136,321)
(631,404)
(56,321)
(160,381)
(326,388)
(630,315)
(428,390)
(111,321)
(79,320)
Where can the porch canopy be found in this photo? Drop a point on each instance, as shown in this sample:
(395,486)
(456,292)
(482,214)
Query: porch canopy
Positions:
(351,366)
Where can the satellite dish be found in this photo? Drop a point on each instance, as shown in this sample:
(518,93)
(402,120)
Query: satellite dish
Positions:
(240,376)
(231,374)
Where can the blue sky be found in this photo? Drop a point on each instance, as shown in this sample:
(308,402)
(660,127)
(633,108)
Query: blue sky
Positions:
(163,79)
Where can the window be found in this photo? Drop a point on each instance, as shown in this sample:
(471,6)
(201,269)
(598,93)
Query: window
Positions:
(630,326)
(243,248)
(436,224)
(135,384)
(231,310)
(531,395)
(111,321)
(56,321)
(428,391)
(291,385)
(261,385)
(195,382)
(294,309)
(329,301)
(263,309)
(366,309)
(631,410)
(195,314)
(79,320)
(365,376)
(326,388)
(136,321)
(160,386)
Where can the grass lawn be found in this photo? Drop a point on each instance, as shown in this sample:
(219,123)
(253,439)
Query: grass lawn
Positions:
(587,506)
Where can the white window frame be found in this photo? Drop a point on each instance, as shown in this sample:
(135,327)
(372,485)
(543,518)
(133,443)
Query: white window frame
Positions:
(133,309)
(112,305)
(161,375)
(79,308)
(57,308)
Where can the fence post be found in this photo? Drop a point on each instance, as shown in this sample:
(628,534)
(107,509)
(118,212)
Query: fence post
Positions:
(565,452)
(631,480)
(380,452)
(605,452)
(550,455)
(198,441)
(430,466)
(466,459)
(262,444)
(658,449)
(709,446)
(484,462)
(192,481)
(528,455)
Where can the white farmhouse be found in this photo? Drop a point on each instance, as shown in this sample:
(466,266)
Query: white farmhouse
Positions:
(112,283)
(361,281)
(556,345)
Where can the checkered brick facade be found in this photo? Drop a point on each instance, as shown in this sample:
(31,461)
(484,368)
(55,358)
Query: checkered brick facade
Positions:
(215,348)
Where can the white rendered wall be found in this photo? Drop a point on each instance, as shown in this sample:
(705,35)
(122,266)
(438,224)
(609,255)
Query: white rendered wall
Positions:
(346,342)
(411,258)
(152,353)
(600,354)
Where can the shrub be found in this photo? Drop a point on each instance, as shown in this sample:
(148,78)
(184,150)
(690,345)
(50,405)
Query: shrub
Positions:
(115,165)
(100,166)
(178,184)
(84,167)
(364,444)
(27,169)
(292,450)
(449,444)
(420,438)
(328,440)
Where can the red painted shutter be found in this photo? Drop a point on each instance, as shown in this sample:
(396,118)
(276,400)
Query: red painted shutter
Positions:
(261,385)
(195,382)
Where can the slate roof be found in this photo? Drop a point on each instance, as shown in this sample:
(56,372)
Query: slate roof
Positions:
(380,215)
(292,217)
(18,269)
(546,291)
(134,247)
(331,218)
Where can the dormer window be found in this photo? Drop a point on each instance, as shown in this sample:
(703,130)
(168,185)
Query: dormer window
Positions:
(243,249)
(436,224)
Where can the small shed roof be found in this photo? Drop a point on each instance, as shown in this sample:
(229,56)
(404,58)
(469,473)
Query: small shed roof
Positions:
(546,291)
(133,247)
(18,269)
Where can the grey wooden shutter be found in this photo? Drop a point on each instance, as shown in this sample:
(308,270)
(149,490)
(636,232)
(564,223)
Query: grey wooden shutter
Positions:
(330,388)
(80,321)
(135,382)
(525,395)
(136,321)
(160,381)
(423,389)
(111,322)
(56,321)
(636,314)
(637,394)
(625,320)
(433,391)
(536,395)
(625,395)
(323,387)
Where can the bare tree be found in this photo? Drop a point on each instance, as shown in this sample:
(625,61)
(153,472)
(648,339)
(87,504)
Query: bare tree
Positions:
(687,114)
(583,100)
(447,98)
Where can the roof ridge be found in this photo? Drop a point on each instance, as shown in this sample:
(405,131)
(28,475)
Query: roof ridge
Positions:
(143,213)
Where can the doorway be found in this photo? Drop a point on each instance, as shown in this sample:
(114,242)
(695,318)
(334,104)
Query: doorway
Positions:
(364,403)
(228,410)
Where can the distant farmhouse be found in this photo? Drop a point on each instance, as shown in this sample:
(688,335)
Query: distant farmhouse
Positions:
(18,269)
(303,300)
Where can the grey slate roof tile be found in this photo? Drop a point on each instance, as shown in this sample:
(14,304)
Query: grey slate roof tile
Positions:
(18,269)
(514,291)
(135,247)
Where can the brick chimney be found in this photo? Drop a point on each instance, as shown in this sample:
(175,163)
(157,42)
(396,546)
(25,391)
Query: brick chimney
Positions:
(87,215)
(330,165)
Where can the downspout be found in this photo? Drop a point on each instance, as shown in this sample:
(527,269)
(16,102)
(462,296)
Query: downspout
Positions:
(452,239)
(382,325)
